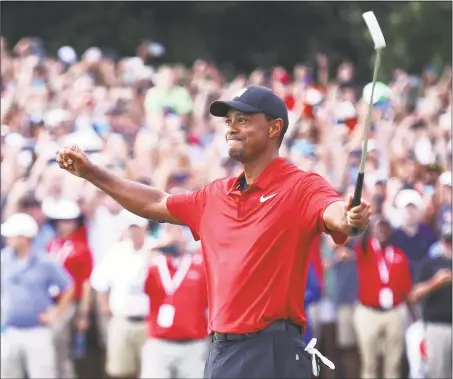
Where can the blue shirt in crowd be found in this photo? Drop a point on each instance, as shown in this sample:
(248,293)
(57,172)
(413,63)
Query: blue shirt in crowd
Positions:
(346,279)
(45,234)
(25,287)
(417,246)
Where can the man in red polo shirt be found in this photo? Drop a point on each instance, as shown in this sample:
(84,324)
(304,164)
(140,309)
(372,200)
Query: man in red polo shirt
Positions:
(384,285)
(255,231)
(177,324)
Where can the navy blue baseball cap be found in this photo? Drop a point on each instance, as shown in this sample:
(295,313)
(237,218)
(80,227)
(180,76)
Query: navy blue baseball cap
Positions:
(253,99)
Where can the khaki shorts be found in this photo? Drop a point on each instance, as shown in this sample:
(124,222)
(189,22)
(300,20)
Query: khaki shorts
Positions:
(346,336)
(125,340)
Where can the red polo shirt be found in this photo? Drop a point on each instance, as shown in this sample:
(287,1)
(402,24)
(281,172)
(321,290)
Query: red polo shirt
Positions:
(75,256)
(256,243)
(370,283)
(316,257)
(189,302)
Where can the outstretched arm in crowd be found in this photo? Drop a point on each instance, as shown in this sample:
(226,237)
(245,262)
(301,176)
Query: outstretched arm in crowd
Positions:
(424,288)
(140,199)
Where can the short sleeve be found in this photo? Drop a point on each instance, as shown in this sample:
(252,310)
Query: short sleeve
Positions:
(188,208)
(424,272)
(318,195)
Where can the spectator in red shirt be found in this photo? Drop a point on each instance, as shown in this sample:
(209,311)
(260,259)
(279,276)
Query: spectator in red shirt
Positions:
(176,286)
(384,284)
(255,231)
(70,248)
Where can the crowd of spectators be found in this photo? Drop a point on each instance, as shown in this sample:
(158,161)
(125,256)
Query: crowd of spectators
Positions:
(151,123)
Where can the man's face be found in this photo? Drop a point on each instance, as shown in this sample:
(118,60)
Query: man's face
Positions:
(447,242)
(381,232)
(137,234)
(65,227)
(248,135)
(411,215)
(16,243)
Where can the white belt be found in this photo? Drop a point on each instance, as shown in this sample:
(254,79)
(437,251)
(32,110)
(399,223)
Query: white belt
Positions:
(316,356)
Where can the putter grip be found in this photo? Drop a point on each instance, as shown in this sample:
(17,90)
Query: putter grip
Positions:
(357,196)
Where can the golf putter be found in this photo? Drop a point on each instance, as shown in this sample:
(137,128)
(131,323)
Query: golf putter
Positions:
(379,44)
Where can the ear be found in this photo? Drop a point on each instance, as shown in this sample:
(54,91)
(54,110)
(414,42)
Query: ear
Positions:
(276,128)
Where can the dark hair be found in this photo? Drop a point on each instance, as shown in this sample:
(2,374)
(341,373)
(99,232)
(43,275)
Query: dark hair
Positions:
(282,134)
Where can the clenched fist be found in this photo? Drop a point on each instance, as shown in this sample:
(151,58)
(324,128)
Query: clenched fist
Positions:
(357,217)
(74,160)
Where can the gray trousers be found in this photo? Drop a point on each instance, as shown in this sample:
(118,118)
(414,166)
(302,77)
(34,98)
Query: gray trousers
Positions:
(62,337)
(160,359)
(28,350)
(438,346)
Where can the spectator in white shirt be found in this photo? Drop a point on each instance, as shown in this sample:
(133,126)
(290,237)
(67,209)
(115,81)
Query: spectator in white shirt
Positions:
(119,281)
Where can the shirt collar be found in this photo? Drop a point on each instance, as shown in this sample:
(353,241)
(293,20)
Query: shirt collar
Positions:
(265,177)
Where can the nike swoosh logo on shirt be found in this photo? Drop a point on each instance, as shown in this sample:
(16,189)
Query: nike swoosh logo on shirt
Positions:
(266,198)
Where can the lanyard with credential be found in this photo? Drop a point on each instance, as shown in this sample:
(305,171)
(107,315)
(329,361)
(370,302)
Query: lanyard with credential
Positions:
(172,284)
(384,262)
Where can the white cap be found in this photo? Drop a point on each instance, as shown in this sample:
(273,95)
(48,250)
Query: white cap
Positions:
(15,140)
(86,139)
(60,209)
(131,219)
(407,197)
(345,111)
(156,49)
(92,54)
(20,224)
(67,54)
(55,117)
(313,96)
(445,178)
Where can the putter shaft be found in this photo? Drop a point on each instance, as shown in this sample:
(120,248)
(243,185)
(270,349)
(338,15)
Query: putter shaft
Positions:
(366,132)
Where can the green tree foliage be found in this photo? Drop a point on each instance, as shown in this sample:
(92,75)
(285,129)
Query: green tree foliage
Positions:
(242,35)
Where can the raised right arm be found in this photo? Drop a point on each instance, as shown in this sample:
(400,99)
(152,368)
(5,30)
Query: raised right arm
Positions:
(145,201)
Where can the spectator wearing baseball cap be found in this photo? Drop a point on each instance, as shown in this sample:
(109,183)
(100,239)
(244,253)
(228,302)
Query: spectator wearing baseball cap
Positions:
(21,200)
(384,284)
(119,282)
(28,310)
(70,249)
(413,236)
(433,290)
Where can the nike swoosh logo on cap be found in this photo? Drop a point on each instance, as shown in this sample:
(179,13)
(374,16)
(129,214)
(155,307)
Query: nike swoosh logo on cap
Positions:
(266,198)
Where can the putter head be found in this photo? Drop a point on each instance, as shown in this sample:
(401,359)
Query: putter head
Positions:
(375,30)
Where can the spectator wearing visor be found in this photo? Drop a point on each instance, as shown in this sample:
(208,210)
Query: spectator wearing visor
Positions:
(69,248)
(28,310)
(433,289)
